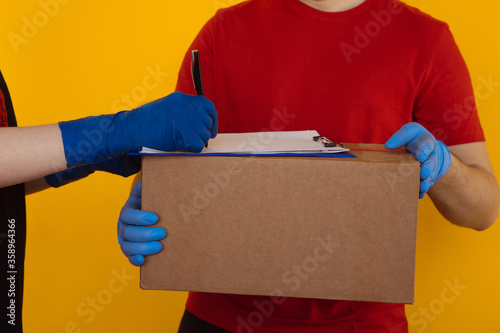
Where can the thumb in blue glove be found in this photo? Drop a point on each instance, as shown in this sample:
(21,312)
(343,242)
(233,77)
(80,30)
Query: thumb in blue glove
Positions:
(135,236)
(433,155)
(176,122)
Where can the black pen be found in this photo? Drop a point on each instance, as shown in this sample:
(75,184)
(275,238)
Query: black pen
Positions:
(196,74)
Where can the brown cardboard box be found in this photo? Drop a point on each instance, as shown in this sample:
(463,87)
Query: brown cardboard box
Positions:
(330,228)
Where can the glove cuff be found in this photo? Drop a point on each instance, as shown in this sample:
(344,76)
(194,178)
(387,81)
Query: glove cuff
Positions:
(70,175)
(90,140)
(446,158)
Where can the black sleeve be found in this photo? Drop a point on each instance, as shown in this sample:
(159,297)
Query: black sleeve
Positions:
(11,117)
(12,243)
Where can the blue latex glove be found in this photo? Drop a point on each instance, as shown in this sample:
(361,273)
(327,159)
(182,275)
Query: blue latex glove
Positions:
(173,123)
(135,236)
(433,155)
(122,165)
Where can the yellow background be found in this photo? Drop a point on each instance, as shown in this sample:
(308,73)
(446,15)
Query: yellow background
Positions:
(90,53)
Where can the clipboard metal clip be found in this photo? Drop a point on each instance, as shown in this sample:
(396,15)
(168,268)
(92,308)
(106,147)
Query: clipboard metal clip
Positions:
(326,142)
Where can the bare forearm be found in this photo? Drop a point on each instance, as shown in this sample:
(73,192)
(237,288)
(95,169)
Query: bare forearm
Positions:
(30,153)
(467,195)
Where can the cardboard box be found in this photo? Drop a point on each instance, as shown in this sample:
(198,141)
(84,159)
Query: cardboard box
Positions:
(313,227)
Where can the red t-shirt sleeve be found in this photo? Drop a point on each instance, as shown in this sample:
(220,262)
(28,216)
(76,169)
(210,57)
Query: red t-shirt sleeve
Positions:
(446,104)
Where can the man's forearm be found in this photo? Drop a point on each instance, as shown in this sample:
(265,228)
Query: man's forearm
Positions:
(467,195)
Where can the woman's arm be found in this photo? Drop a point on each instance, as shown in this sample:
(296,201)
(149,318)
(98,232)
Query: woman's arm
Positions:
(29,153)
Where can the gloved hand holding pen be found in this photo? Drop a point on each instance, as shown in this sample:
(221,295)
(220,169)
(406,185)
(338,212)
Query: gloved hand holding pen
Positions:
(177,122)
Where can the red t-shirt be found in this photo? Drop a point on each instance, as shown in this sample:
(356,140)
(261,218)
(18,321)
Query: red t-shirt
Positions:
(354,76)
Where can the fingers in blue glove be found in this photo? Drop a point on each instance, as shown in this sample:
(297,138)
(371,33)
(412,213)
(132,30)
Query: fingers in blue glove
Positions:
(193,143)
(132,215)
(428,166)
(134,233)
(135,237)
(425,185)
(136,260)
(146,249)
(413,136)
(212,112)
(195,108)
(134,199)
(143,249)
(433,155)
(422,146)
